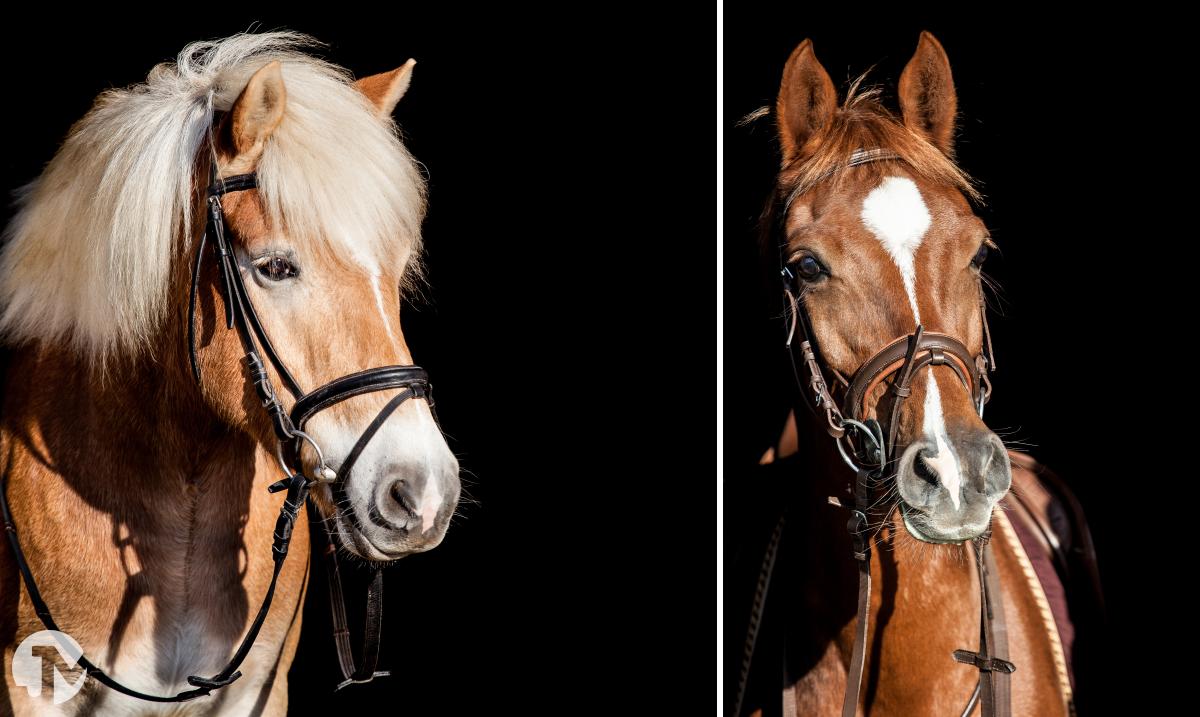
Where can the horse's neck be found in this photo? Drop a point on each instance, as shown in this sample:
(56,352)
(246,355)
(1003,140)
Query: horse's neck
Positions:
(123,488)
(129,427)
(925,597)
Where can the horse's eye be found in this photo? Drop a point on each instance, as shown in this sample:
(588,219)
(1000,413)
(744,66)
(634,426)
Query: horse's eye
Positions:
(980,256)
(807,268)
(277,268)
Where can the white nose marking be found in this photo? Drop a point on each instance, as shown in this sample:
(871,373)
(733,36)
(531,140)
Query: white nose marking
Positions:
(896,214)
(944,462)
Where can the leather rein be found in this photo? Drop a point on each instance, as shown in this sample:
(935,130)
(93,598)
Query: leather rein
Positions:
(413,383)
(869,454)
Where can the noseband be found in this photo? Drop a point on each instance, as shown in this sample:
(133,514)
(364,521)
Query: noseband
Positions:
(897,363)
(289,427)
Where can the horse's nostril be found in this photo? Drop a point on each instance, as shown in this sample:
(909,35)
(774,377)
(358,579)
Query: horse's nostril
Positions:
(401,492)
(925,471)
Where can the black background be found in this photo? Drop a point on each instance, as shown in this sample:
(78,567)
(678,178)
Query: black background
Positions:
(1075,131)
(567,329)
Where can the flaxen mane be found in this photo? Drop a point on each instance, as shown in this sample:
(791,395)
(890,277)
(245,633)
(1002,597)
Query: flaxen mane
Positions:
(88,259)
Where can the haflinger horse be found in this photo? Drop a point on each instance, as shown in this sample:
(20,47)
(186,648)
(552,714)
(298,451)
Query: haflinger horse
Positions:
(873,231)
(141,423)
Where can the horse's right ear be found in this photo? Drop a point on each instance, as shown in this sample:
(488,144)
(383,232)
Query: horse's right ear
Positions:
(807,101)
(255,115)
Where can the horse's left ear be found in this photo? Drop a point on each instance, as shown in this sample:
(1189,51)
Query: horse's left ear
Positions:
(385,89)
(927,98)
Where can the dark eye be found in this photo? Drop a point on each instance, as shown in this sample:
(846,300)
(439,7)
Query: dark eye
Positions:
(980,256)
(277,268)
(807,267)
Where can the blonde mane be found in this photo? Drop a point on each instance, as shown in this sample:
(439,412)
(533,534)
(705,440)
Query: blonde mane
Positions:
(88,259)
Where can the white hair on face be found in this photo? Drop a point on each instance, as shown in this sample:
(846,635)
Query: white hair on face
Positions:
(88,258)
(896,214)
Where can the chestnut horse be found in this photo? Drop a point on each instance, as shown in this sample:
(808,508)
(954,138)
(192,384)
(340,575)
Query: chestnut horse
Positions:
(872,220)
(139,487)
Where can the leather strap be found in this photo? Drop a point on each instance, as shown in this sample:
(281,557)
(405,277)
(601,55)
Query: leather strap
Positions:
(931,347)
(761,590)
(297,492)
(858,655)
(820,398)
(996,631)
(994,691)
(361,670)
(414,378)
(367,435)
(239,310)
(860,536)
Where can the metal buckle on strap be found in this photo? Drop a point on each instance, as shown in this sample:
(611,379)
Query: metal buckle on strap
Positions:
(352,681)
(984,663)
(325,474)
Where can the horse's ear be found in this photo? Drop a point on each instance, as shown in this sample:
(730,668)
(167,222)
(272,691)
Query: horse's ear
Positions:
(256,114)
(927,98)
(385,89)
(807,101)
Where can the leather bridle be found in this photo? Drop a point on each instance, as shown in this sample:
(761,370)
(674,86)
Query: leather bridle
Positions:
(413,383)
(871,456)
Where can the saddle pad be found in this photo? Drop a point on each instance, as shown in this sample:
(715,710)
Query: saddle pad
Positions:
(1043,528)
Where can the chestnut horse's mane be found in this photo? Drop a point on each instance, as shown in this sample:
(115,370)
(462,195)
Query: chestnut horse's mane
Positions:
(862,123)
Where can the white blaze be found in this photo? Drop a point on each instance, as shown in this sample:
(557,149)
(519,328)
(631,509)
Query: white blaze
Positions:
(896,214)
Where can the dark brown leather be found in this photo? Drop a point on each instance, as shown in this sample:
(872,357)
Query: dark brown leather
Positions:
(994,691)
(995,630)
(933,348)
(861,537)
(858,654)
